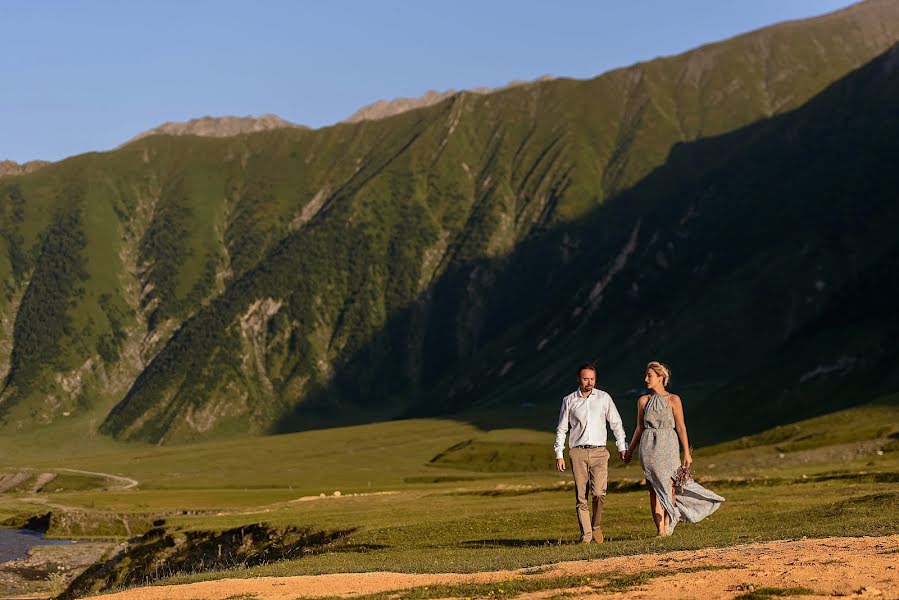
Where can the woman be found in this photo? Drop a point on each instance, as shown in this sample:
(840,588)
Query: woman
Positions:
(660,422)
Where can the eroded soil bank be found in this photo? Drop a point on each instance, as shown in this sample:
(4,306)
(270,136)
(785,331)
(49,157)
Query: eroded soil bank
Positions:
(159,553)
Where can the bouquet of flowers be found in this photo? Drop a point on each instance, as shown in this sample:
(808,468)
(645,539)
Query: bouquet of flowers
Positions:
(682,476)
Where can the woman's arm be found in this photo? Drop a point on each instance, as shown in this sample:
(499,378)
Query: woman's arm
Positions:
(677,408)
(638,430)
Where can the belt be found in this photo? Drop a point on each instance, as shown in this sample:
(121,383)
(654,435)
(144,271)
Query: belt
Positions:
(588,447)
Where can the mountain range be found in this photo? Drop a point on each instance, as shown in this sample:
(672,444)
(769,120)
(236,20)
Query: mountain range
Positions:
(227,126)
(730,210)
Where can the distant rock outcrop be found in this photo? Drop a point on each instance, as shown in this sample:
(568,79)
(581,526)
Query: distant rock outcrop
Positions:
(218,126)
(9,167)
(387,108)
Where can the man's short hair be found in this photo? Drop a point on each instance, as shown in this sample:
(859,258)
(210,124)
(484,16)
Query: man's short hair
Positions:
(587,365)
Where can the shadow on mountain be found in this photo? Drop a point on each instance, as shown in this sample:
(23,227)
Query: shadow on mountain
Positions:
(760,264)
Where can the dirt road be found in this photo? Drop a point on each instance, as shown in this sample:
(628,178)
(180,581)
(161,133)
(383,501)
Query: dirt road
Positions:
(865,567)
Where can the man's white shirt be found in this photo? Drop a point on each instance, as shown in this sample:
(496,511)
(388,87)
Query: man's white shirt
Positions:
(584,420)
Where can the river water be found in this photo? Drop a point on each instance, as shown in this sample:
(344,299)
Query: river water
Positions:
(14,543)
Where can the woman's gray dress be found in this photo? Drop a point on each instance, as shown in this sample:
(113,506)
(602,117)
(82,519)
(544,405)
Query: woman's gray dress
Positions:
(660,456)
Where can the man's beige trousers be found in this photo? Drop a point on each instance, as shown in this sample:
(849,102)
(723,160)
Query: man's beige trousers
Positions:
(590,466)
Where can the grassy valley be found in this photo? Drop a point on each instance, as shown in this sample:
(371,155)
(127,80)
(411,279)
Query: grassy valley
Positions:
(391,506)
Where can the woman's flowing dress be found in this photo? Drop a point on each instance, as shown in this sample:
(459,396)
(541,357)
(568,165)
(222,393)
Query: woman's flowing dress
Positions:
(660,457)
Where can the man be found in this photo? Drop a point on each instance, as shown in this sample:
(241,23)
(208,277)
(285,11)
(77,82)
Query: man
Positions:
(583,416)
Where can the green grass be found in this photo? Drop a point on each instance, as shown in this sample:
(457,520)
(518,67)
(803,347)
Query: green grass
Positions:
(353,459)
(492,457)
(876,420)
(764,593)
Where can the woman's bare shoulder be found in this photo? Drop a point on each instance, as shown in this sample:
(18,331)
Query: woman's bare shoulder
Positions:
(674,399)
(641,401)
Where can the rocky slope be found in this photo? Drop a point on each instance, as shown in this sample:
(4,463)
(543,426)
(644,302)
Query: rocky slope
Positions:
(388,108)
(218,126)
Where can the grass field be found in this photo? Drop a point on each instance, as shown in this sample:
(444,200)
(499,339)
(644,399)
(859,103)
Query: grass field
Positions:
(439,495)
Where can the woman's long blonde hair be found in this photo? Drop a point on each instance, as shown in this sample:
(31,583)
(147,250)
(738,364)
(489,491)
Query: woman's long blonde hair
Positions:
(661,370)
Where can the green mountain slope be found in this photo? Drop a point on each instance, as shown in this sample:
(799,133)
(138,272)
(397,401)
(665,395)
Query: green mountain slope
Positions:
(459,255)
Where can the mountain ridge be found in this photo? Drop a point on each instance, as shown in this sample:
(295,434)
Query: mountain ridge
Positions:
(10,167)
(229,125)
(381,109)
(258,282)
(224,126)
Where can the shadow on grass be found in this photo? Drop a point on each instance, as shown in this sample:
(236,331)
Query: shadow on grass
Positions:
(536,543)
(355,548)
(523,490)
(885,500)
(884,477)
(862,477)
(859,515)
(509,543)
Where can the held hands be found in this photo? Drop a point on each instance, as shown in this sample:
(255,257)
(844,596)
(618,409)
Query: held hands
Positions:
(627,455)
(560,464)
(623,455)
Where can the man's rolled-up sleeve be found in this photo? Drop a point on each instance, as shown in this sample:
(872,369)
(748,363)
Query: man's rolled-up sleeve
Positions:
(617,426)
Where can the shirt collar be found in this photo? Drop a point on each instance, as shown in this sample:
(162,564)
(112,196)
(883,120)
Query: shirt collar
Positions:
(578,393)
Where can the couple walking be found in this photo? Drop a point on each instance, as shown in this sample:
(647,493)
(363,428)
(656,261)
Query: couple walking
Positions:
(673,495)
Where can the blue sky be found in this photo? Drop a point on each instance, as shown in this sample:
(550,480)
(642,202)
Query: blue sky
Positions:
(87,75)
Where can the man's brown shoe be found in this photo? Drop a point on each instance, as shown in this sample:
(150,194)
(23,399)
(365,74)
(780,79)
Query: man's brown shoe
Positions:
(598,537)
(585,541)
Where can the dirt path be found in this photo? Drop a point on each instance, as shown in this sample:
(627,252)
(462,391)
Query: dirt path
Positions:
(855,567)
(125,483)
(13,478)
